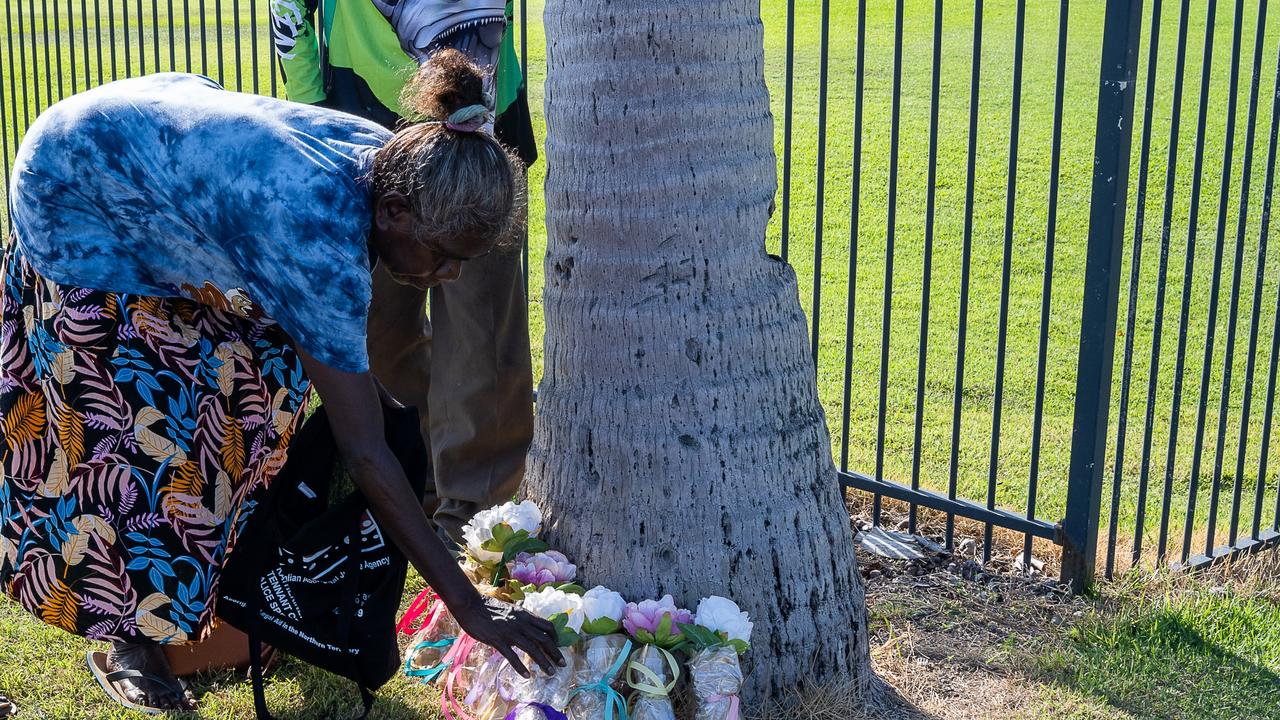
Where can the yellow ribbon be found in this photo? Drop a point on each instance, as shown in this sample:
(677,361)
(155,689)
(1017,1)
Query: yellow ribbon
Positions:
(650,683)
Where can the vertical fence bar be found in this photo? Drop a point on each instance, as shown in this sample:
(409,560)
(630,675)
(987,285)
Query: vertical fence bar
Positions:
(1135,270)
(253,43)
(788,95)
(1241,221)
(97,36)
(155,34)
(235,24)
(186,31)
(173,41)
(824,45)
(854,216)
(57,46)
(1211,327)
(275,70)
(1121,34)
(124,36)
(204,42)
(111,36)
(22,62)
(1010,204)
(975,84)
(4,121)
(13,92)
(1046,291)
(1165,237)
(84,41)
(1264,232)
(1234,303)
(930,209)
(892,220)
(1187,274)
(1268,413)
(35,62)
(48,64)
(142,40)
(217,42)
(71,44)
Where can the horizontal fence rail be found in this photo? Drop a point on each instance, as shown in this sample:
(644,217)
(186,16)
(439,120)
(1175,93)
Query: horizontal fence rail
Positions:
(937,165)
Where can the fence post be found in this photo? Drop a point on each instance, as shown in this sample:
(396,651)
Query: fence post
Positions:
(1107,210)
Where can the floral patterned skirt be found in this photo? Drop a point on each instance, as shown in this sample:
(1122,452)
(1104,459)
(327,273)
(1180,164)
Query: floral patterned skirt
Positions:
(133,433)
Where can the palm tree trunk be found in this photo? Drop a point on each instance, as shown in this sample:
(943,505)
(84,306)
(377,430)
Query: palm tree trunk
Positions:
(680,445)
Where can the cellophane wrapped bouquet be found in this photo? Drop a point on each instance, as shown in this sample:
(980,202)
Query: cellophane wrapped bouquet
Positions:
(532,695)
(603,653)
(653,672)
(609,645)
(719,634)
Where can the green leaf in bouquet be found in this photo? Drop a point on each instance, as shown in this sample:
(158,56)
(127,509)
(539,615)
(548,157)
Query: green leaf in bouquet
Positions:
(700,638)
(646,637)
(565,636)
(740,646)
(522,543)
(502,532)
(666,636)
(571,588)
(601,626)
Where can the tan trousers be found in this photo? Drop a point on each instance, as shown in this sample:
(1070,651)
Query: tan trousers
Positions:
(467,369)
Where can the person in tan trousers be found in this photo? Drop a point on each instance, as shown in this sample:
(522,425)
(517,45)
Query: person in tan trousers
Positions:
(466,367)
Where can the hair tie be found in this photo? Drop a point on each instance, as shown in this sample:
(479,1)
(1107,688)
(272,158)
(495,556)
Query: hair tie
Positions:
(468,119)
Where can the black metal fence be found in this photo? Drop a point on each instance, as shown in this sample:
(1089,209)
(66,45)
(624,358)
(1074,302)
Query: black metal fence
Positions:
(956,197)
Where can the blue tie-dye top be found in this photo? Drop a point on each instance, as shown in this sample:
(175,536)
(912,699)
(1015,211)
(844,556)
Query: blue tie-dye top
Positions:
(170,185)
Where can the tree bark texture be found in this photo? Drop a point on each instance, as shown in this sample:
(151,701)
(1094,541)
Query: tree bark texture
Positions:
(680,445)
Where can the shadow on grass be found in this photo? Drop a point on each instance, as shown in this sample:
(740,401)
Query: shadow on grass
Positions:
(1160,664)
(297,691)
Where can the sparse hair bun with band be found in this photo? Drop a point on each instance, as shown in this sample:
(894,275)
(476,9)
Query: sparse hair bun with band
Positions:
(444,84)
(463,186)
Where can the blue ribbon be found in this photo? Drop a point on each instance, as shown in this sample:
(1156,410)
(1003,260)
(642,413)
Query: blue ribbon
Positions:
(548,712)
(612,697)
(427,675)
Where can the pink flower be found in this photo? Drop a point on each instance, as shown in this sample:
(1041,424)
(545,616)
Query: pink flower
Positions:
(544,568)
(656,622)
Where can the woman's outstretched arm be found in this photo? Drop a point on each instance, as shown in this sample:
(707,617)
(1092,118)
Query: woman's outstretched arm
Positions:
(355,413)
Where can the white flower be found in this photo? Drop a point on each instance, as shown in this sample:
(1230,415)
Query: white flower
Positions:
(723,615)
(549,602)
(523,516)
(602,603)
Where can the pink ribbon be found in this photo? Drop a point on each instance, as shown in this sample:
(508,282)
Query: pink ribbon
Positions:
(454,660)
(419,607)
(734,703)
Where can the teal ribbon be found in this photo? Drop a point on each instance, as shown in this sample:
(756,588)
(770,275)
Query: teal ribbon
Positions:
(427,675)
(604,685)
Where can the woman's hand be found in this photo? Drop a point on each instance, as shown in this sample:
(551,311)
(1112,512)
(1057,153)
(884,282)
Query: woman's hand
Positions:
(506,628)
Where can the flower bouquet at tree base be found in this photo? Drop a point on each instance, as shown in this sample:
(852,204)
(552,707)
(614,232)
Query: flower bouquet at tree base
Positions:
(534,694)
(653,672)
(601,659)
(720,632)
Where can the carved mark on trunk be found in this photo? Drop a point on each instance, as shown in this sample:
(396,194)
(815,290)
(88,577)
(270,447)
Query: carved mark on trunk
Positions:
(693,351)
(668,275)
(564,268)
